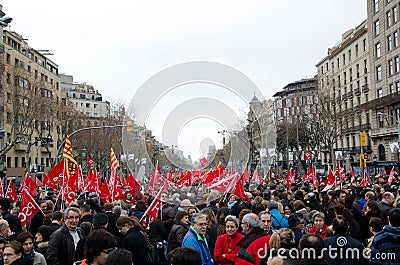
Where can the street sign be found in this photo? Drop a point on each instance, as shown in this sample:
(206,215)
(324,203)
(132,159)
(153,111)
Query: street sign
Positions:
(307,155)
(363,141)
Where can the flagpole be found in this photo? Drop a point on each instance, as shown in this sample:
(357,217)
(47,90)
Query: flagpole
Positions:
(147,210)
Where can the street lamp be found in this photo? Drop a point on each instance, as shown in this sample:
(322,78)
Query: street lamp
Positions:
(398,128)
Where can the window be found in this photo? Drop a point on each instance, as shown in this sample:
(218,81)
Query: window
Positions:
(395,14)
(95,106)
(396,64)
(358,70)
(29,68)
(377,31)
(395,39)
(322,69)
(344,59)
(398,86)
(356,48)
(87,105)
(379,93)
(389,42)
(351,74)
(379,73)
(365,44)
(376,6)
(390,66)
(338,63)
(349,55)
(389,19)
(365,66)
(378,50)
(391,89)
(8,58)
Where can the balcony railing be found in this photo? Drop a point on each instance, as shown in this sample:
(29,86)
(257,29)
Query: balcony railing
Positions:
(344,96)
(365,88)
(357,91)
(350,94)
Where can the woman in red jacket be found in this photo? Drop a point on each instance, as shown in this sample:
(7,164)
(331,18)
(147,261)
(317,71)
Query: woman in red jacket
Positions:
(226,246)
(320,226)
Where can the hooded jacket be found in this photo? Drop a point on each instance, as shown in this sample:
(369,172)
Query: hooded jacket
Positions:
(385,243)
(199,243)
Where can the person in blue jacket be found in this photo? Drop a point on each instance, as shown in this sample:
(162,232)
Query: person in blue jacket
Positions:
(195,238)
(278,220)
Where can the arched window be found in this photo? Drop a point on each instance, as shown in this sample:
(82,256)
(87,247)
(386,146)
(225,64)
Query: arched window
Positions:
(381,153)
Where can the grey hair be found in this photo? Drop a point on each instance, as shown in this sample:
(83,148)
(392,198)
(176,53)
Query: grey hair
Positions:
(232,218)
(198,216)
(74,209)
(263,212)
(251,219)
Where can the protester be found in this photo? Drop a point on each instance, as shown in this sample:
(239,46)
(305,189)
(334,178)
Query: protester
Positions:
(341,243)
(266,222)
(255,241)
(227,245)
(184,256)
(134,238)
(314,254)
(26,239)
(63,242)
(278,220)
(13,254)
(99,244)
(375,226)
(320,226)
(387,241)
(195,238)
(178,230)
(119,257)
(12,219)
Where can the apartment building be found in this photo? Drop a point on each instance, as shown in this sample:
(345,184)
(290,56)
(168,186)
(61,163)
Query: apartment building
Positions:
(343,79)
(384,53)
(85,98)
(32,104)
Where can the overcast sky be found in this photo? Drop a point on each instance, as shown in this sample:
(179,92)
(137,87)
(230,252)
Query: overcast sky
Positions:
(118,45)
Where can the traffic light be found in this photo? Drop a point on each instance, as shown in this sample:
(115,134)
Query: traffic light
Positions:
(129,125)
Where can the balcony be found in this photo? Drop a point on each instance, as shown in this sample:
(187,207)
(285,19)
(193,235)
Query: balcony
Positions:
(344,97)
(44,150)
(357,91)
(350,94)
(338,99)
(20,147)
(389,132)
(365,88)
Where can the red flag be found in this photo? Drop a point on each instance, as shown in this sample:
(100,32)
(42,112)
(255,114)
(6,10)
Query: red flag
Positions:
(117,190)
(124,183)
(238,189)
(246,176)
(255,177)
(90,162)
(310,174)
(94,184)
(38,182)
(353,177)
(133,188)
(185,180)
(1,189)
(224,184)
(68,191)
(28,208)
(331,178)
(365,181)
(290,178)
(203,162)
(209,176)
(152,184)
(55,176)
(30,185)
(11,193)
(158,178)
(151,213)
(105,195)
(391,176)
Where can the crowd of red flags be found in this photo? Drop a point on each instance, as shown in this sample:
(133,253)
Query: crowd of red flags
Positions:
(66,179)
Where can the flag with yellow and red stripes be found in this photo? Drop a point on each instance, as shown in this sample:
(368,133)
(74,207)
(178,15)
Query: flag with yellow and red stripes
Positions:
(71,164)
(113,160)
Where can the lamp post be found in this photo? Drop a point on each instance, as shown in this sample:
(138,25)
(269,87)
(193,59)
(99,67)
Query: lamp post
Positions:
(375,159)
(398,129)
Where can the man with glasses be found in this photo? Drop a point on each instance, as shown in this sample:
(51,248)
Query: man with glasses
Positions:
(63,242)
(196,238)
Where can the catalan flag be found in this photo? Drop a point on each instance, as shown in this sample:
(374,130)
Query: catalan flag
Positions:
(67,154)
(113,160)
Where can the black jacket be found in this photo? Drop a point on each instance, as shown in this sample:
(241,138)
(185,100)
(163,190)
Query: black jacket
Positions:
(176,235)
(61,248)
(135,242)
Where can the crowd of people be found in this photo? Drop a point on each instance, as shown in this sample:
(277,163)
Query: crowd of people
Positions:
(273,225)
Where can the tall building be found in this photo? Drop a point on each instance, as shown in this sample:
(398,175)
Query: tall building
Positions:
(32,100)
(384,52)
(343,80)
(295,105)
(85,98)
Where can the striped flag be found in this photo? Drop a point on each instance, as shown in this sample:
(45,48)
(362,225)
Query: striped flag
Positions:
(67,153)
(113,160)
